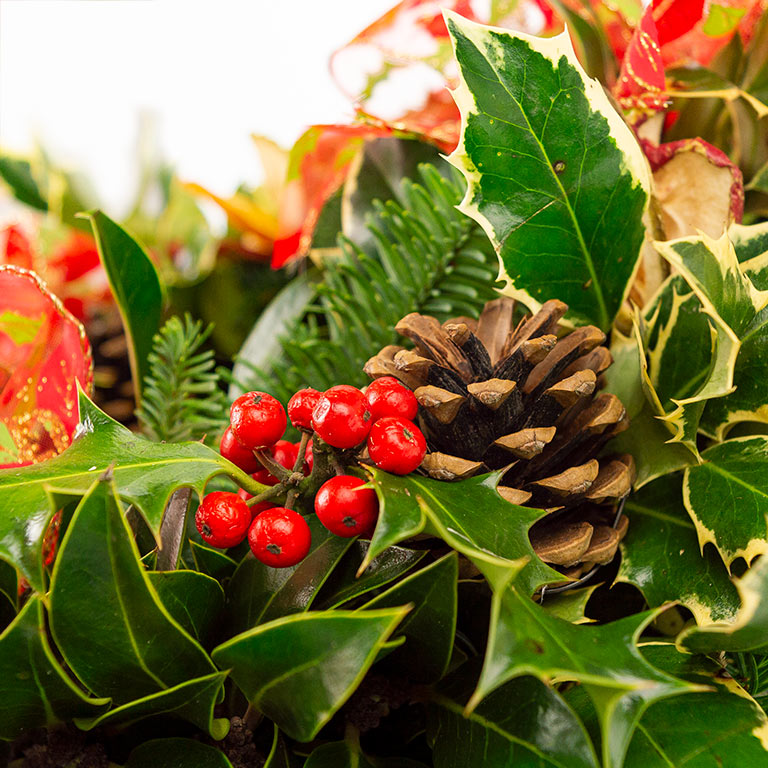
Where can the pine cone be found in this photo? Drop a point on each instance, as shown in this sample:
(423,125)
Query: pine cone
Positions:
(493,393)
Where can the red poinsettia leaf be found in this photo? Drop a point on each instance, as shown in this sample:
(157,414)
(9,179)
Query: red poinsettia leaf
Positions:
(16,247)
(674,18)
(697,186)
(640,86)
(44,352)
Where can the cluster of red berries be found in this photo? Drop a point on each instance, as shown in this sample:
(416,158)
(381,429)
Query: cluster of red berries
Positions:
(344,418)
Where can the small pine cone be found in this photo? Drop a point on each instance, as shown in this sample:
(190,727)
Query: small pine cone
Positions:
(497,393)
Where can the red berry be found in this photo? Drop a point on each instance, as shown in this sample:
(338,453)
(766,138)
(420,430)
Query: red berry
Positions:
(300,408)
(309,459)
(345,508)
(396,445)
(262,506)
(258,420)
(342,417)
(222,519)
(279,537)
(389,397)
(285,453)
(232,450)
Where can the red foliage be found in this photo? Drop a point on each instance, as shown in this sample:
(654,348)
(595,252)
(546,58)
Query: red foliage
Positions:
(43,352)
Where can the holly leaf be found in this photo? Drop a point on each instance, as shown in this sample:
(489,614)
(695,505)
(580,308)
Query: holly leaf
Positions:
(106,617)
(430,626)
(524,722)
(193,599)
(744,632)
(212,562)
(571,605)
(136,287)
(193,701)
(165,753)
(524,639)
(343,584)
(469,516)
(555,177)
(35,691)
(727,498)
(299,670)
(661,556)
(649,441)
(723,727)
(257,593)
(145,474)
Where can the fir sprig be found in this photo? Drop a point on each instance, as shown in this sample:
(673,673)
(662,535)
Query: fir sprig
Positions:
(182,398)
(429,258)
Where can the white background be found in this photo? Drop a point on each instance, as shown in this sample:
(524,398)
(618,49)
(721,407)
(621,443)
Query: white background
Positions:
(77,75)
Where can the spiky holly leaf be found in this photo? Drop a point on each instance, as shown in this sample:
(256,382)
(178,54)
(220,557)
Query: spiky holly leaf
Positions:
(300,669)
(102,598)
(661,555)
(555,177)
(469,516)
(747,631)
(523,723)
(34,689)
(727,497)
(145,474)
(749,402)
(721,727)
(524,639)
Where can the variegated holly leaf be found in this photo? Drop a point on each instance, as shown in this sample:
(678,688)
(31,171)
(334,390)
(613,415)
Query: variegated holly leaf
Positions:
(524,639)
(661,555)
(747,631)
(555,177)
(145,473)
(649,440)
(738,314)
(727,498)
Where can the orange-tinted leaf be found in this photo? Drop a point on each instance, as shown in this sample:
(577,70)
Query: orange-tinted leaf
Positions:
(697,186)
(16,248)
(43,353)
(318,164)
(640,87)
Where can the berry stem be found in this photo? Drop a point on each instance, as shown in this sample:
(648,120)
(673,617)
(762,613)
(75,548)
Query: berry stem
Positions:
(275,469)
(322,468)
(270,492)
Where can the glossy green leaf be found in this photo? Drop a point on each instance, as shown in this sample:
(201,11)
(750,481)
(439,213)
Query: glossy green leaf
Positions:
(299,670)
(751,244)
(525,640)
(569,605)
(136,287)
(17,174)
(279,756)
(193,701)
(648,439)
(745,632)
(555,176)
(194,600)
(661,555)
(721,20)
(430,626)
(759,182)
(212,562)
(724,727)
(257,593)
(525,724)
(145,473)
(469,516)
(176,753)
(34,689)
(105,616)
(727,497)
(344,583)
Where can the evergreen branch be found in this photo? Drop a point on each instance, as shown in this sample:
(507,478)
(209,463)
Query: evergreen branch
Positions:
(182,398)
(430,259)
